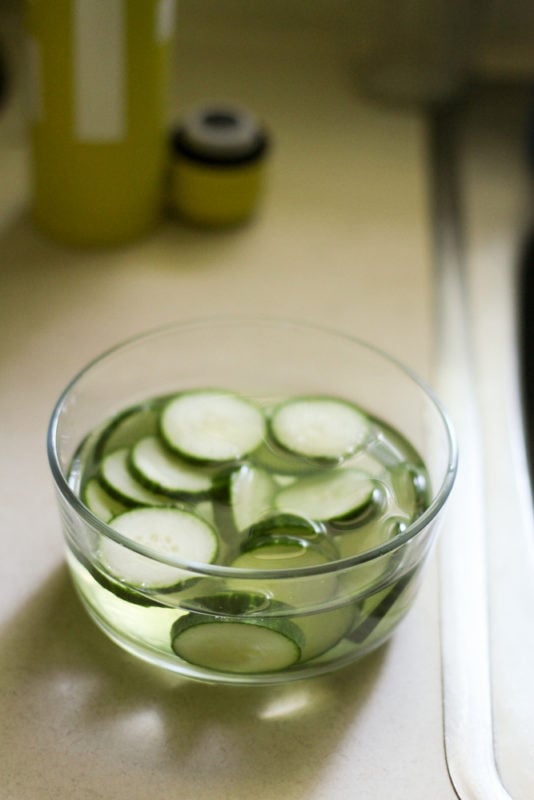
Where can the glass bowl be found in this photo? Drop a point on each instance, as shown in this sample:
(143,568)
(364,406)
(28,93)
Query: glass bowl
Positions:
(311,542)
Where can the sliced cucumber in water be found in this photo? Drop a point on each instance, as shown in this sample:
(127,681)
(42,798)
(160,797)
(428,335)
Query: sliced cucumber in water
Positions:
(336,495)
(251,495)
(228,603)
(245,645)
(273,458)
(100,502)
(204,509)
(118,480)
(377,607)
(362,539)
(324,630)
(318,632)
(309,590)
(410,487)
(322,428)
(287,529)
(212,426)
(165,473)
(127,428)
(78,561)
(279,554)
(207,476)
(175,532)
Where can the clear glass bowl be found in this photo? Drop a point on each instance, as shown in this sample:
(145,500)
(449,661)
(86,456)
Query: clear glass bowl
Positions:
(332,612)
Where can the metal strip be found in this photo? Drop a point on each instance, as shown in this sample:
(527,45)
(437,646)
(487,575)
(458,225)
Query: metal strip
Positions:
(467,709)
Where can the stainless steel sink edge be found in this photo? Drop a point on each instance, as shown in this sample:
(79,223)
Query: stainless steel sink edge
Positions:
(497,189)
(468,725)
(487,547)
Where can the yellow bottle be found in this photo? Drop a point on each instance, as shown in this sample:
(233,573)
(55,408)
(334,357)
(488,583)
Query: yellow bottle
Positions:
(98,75)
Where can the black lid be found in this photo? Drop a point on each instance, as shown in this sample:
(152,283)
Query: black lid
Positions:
(221,134)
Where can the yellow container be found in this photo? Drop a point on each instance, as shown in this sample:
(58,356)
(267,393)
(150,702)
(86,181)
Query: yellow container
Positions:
(218,165)
(98,72)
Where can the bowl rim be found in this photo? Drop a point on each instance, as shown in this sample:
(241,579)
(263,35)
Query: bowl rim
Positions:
(222,571)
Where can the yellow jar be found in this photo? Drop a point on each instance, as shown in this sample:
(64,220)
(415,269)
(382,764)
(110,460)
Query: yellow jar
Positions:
(218,155)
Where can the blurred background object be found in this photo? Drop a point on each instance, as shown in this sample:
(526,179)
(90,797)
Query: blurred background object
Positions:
(494,37)
(12,72)
(97,75)
(418,52)
(3,76)
(410,52)
(218,155)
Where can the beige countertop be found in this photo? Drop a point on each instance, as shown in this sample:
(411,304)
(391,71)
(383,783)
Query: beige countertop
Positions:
(341,238)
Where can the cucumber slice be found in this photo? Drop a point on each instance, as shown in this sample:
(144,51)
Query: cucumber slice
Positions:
(323,631)
(291,529)
(322,428)
(100,502)
(284,480)
(228,603)
(127,428)
(280,555)
(340,654)
(369,535)
(336,495)
(309,590)
(205,510)
(170,531)
(272,458)
(381,606)
(228,644)
(292,525)
(212,426)
(118,480)
(394,526)
(80,564)
(251,495)
(410,486)
(163,472)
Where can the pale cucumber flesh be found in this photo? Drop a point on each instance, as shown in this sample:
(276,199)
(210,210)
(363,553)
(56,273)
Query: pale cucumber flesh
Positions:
(249,646)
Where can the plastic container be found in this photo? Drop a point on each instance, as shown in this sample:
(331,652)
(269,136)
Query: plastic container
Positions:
(98,76)
(218,156)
